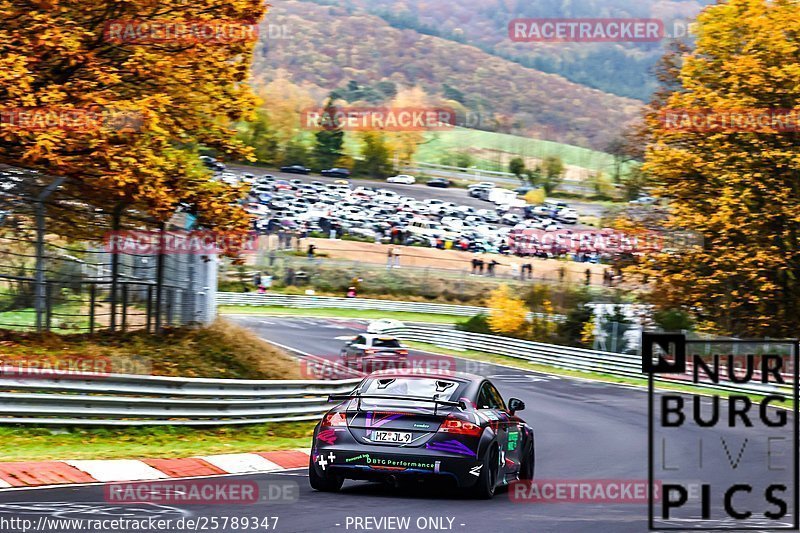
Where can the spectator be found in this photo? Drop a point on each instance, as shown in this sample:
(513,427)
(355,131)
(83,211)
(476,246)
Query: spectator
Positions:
(397,254)
(351,292)
(312,251)
(588,274)
(289,279)
(491,266)
(272,256)
(390,257)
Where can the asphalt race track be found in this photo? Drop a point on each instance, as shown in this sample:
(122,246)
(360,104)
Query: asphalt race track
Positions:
(583,430)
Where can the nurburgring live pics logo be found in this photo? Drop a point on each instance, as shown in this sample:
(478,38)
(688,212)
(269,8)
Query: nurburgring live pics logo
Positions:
(755,380)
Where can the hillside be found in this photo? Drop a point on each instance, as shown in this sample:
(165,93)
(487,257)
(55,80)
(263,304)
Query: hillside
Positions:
(483,23)
(328,46)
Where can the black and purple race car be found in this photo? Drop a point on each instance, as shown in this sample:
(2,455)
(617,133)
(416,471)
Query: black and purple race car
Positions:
(400,426)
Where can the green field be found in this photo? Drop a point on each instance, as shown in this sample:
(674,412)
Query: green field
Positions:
(447,142)
(68,317)
(440,144)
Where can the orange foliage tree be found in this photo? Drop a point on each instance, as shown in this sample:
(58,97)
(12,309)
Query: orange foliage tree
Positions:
(120,108)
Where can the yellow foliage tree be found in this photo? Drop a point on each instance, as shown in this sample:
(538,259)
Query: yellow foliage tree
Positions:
(739,189)
(405,143)
(508,315)
(535,197)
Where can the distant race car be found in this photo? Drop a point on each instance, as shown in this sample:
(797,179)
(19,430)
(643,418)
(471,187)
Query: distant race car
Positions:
(374,352)
(336,173)
(397,426)
(296,169)
(403,179)
(441,183)
(381,325)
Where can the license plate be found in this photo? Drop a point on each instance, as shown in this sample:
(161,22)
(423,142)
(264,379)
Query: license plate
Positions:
(395,437)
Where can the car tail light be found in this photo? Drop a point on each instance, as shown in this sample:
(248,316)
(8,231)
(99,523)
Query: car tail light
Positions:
(460,427)
(334,420)
(403,352)
(370,352)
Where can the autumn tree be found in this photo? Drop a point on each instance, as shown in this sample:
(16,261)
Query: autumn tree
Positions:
(375,155)
(330,139)
(517,166)
(406,143)
(148,100)
(739,188)
(508,314)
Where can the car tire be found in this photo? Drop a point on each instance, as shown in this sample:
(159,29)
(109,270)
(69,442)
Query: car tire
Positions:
(486,485)
(323,483)
(527,467)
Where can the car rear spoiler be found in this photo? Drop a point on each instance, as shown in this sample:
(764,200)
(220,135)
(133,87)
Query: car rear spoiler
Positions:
(435,400)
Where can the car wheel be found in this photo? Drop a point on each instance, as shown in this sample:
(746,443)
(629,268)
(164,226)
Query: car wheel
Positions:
(527,467)
(324,482)
(487,480)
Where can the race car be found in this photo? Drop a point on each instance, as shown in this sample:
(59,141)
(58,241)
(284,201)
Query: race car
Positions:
(398,426)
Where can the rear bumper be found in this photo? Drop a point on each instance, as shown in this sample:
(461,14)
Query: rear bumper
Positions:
(366,462)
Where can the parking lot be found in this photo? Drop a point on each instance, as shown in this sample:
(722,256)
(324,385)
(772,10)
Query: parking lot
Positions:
(396,213)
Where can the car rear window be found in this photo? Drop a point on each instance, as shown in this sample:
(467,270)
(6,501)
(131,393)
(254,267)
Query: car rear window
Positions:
(386,343)
(421,387)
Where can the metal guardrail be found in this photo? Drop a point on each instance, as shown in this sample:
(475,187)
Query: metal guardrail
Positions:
(564,357)
(330,302)
(128,400)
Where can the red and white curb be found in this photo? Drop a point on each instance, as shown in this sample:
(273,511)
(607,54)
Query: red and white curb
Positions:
(51,473)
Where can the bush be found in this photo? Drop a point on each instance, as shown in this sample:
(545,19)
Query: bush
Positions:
(673,320)
(476,324)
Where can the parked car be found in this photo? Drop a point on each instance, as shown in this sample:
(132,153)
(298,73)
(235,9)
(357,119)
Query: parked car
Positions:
(567,216)
(403,179)
(644,200)
(441,183)
(296,169)
(212,163)
(481,192)
(336,173)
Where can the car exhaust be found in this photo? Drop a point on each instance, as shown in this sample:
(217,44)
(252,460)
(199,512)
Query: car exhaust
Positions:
(392,481)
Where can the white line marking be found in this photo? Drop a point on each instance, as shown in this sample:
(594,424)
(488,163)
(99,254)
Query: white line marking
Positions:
(118,470)
(240,463)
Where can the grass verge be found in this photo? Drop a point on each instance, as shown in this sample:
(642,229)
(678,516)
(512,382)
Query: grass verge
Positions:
(222,351)
(39,443)
(342,313)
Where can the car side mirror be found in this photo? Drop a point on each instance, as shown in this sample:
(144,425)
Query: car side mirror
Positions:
(515,405)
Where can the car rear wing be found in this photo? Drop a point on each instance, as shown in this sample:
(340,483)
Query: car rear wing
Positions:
(435,400)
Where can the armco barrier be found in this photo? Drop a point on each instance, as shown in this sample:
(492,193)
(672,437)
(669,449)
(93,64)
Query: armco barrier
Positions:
(577,359)
(252,299)
(127,400)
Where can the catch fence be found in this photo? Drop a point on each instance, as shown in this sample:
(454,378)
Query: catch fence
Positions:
(57,274)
